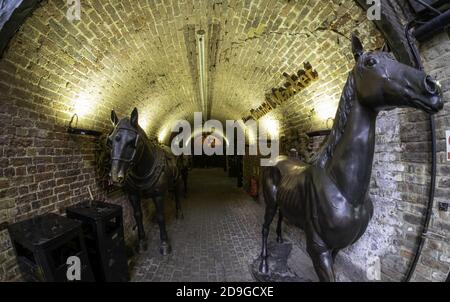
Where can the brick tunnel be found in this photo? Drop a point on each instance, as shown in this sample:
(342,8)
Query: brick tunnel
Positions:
(65,65)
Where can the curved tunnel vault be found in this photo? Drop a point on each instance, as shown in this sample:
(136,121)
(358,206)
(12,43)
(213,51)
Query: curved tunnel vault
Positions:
(126,54)
(131,53)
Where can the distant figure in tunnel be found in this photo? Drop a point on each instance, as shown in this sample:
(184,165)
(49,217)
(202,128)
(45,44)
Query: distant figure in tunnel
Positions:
(328,199)
(143,169)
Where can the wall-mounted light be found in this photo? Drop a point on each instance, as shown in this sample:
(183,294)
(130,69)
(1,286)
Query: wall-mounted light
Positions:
(80,131)
(162,135)
(325,111)
(83,105)
(271,125)
(251,136)
(143,121)
(202,70)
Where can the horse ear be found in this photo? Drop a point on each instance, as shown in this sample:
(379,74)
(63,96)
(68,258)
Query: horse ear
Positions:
(134,117)
(114,118)
(357,47)
(385,48)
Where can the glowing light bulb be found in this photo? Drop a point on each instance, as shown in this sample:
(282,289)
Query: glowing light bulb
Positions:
(325,111)
(271,126)
(82,106)
(143,122)
(162,135)
(251,136)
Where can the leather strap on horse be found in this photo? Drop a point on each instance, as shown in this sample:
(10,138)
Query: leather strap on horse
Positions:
(152,177)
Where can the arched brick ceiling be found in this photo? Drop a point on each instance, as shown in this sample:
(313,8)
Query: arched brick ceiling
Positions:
(143,53)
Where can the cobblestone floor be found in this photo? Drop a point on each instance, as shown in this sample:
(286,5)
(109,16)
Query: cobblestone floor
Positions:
(218,238)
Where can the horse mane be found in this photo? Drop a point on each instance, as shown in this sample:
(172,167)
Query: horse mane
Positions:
(345,105)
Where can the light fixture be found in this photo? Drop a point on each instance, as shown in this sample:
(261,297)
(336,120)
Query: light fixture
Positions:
(251,136)
(143,121)
(80,131)
(202,70)
(83,105)
(162,135)
(270,125)
(325,111)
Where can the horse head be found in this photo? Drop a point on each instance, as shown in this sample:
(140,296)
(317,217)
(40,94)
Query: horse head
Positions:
(123,143)
(383,83)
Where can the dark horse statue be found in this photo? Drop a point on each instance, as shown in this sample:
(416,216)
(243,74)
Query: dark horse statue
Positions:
(328,199)
(183,167)
(144,170)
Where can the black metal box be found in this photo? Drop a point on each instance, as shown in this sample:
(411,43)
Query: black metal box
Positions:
(104,236)
(43,245)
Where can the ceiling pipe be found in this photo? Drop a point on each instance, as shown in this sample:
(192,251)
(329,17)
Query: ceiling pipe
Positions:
(436,24)
(426,5)
(202,71)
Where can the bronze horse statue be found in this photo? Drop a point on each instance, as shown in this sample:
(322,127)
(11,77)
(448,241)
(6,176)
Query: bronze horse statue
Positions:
(328,198)
(144,170)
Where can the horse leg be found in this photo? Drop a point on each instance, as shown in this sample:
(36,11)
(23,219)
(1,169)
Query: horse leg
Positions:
(334,254)
(165,247)
(185,180)
(179,213)
(321,255)
(269,186)
(135,201)
(280,221)
(271,210)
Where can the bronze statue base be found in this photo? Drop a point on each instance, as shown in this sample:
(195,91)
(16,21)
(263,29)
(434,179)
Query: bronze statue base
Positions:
(278,267)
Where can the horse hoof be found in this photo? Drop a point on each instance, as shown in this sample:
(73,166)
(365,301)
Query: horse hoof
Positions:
(264,268)
(143,246)
(179,215)
(137,249)
(165,249)
(280,240)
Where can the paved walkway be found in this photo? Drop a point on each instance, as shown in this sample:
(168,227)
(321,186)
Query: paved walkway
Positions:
(218,238)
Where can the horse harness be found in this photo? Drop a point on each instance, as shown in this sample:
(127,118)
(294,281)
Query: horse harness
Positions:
(151,178)
(131,159)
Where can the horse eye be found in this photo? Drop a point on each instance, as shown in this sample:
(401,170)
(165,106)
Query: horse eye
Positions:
(370,62)
(118,138)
